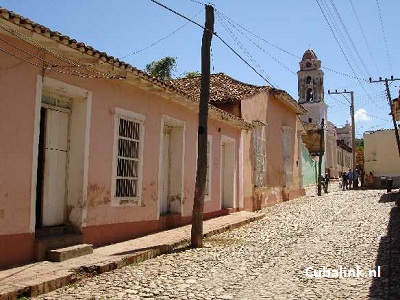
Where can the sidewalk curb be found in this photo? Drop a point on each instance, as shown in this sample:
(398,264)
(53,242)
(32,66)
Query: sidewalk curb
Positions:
(63,278)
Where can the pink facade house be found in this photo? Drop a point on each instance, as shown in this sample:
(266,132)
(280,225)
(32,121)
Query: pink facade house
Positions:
(95,151)
(272,163)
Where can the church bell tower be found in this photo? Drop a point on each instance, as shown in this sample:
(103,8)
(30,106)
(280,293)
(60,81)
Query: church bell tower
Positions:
(311,88)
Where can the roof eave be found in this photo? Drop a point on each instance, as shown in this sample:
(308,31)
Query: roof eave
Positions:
(20,23)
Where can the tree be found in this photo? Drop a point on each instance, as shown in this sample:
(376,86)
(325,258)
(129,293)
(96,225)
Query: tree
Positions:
(192,74)
(163,68)
(360,143)
(360,153)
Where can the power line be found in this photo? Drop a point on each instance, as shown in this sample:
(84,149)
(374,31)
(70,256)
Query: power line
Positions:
(45,63)
(285,50)
(24,60)
(242,47)
(257,36)
(349,37)
(198,2)
(384,35)
(62,58)
(253,42)
(363,34)
(179,14)
(343,35)
(336,99)
(238,55)
(161,39)
(216,35)
(341,48)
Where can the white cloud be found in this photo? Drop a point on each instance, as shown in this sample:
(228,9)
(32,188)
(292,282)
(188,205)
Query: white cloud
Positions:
(361,115)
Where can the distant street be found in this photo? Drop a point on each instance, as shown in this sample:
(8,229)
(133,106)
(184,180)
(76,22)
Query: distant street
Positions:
(340,234)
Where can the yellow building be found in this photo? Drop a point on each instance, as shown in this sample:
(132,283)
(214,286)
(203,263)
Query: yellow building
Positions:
(381,157)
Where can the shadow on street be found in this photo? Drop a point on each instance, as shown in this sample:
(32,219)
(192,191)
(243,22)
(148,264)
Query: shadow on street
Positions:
(388,285)
(389,197)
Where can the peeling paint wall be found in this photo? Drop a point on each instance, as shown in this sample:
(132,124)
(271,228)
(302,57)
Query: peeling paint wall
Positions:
(17,114)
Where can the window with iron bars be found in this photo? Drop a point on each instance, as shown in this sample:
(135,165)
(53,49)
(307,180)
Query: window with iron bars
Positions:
(128,156)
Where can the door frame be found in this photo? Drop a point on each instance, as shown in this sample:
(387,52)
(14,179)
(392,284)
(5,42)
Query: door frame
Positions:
(232,143)
(82,103)
(174,123)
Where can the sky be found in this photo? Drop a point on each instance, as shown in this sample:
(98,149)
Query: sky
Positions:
(354,39)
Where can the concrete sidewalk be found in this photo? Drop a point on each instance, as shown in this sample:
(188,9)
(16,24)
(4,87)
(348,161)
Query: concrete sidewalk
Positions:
(45,276)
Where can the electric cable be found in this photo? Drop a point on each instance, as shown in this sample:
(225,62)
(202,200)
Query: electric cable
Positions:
(341,49)
(384,35)
(161,39)
(363,34)
(216,35)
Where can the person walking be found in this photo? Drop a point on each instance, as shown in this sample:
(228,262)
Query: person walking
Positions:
(344,181)
(362,176)
(327,181)
(355,178)
(350,178)
(371,179)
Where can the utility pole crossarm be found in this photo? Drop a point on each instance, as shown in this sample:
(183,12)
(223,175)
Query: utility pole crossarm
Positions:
(396,129)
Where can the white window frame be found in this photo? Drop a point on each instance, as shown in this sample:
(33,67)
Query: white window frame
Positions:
(135,117)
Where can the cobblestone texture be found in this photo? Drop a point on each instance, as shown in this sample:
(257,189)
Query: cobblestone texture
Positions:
(266,259)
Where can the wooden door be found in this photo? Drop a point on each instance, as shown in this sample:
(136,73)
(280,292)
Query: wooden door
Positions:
(166,172)
(55,167)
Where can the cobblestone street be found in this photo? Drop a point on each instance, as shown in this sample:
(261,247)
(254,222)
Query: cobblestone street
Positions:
(267,259)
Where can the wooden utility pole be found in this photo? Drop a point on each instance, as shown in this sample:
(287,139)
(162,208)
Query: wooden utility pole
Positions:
(353,127)
(396,129)
(321,153)
(198,204)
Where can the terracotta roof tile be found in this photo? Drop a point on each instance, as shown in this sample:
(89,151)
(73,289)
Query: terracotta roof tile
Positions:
(223,88)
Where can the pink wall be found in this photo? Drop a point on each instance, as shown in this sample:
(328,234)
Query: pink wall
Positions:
(279,115)
(17,99)
(105,98)
(276,114)
(18,92)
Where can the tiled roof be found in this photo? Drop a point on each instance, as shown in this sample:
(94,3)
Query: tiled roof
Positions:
(26,23)
(225,89)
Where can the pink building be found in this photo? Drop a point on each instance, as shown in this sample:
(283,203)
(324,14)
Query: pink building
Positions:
(93,150)
(272,162)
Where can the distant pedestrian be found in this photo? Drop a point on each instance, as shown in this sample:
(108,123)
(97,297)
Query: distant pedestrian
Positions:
(371,179)
(362,173)
(344,181)
(350,178)
(324,184)
(355,178)
(327,180)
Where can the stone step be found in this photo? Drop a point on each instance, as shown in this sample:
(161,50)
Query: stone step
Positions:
(53,231)
(62,254)
(44,244)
